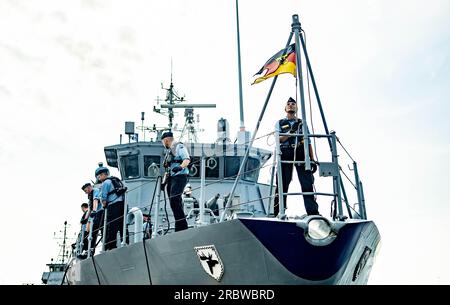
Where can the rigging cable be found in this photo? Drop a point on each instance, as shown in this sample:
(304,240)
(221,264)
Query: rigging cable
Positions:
(337,139)
(153,198)
(167,214)
(146,260)
(65,272)
(310,104)
(95,268)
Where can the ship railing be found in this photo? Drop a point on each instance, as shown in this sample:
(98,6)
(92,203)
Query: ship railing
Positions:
(91,227)
(120,240)
(326,169)
(80,242)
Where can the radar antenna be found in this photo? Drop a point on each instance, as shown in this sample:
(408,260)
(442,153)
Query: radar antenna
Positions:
(63,254)
(172,101)
(172,98)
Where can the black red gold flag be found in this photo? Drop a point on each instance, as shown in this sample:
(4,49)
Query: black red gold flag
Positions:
(278,64)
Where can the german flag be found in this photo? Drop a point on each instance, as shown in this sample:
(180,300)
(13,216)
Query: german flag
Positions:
(278,64)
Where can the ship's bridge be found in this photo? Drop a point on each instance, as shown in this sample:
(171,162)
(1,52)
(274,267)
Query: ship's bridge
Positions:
(140,163)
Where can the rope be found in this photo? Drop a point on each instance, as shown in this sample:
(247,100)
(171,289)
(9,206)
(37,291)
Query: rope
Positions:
(146,261)
(65,272)
(165,209)
(337,139)
(310,104)
(349,180)
(349,206)
(95,268)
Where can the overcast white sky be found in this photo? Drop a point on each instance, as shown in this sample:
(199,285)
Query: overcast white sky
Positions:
(71,73)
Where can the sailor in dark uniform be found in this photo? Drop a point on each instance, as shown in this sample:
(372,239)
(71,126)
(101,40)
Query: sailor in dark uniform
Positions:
(113,199)
(290,147)
(95,211)
(176,161)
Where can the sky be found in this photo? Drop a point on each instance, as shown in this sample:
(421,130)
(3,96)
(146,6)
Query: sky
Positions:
(72,72)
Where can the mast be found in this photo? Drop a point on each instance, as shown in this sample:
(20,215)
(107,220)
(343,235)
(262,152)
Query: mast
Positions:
(250,143)
(241,99)
(64,242)
(169,98)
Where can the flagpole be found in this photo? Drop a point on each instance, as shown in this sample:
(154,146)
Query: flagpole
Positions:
(247,151)
(296,27)
(241,99)
(322,114)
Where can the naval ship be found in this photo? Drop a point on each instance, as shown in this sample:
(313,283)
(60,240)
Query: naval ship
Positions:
(233,236)
(56,269)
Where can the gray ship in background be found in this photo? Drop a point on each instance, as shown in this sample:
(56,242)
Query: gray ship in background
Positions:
(56,269)
(233,236)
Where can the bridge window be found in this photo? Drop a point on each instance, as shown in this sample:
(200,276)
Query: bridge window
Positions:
(111,157)
(232,165)
(252,170)
(130,167)
(194,167)
(152,166)
(211,169)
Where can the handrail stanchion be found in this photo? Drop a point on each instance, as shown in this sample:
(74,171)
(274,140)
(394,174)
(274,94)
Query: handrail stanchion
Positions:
(363,201)
(91,228)
(272,177)
(105,215)
(344,194)
(362,208)
(156,213)
(280,180)
(337,179)
(201,221)
(124,228)
(81,242)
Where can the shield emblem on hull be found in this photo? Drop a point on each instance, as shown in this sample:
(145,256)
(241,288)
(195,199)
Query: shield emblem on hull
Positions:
(210,260)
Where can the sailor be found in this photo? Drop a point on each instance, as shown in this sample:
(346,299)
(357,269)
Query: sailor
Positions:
(84,218)
(176,161)
(147,226)
(292,148)
(83,222)
(113,200)
(187,195)
(95,211)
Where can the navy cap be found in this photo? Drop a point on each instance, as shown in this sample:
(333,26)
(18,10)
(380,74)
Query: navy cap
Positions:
(167,135)
(101,170)
(291,100)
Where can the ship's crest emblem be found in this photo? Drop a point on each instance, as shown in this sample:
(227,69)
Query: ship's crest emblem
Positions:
(210,261)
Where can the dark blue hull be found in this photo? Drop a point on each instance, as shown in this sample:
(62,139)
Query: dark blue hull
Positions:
(287,242)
